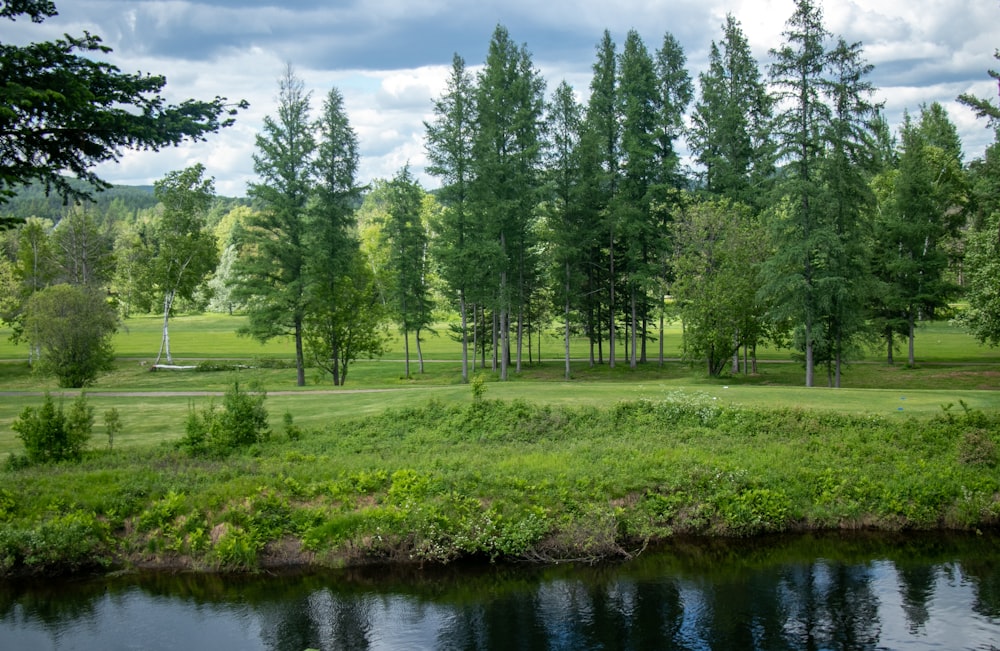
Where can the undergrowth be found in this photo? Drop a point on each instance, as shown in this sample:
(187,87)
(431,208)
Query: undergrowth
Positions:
(498,480)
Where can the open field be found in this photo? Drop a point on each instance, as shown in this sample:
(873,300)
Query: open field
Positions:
(952,367)
(214,336)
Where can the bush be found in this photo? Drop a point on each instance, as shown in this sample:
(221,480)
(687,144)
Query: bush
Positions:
(240,423)
(49,434)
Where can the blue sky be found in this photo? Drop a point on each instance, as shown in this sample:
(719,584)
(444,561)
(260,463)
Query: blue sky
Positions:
(390,58)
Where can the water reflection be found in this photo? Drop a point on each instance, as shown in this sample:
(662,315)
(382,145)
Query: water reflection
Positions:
(917,592)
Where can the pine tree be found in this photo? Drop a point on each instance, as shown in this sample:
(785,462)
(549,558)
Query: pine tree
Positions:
(924,208)
(795,273)
(600,146)
(567,230)
(341,319)
(449,148)
(639,100)
(507,151)
(731,132)
(849,165)
(271,274)
(406,238)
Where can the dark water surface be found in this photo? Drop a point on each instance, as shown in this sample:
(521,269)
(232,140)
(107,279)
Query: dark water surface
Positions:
(830,592)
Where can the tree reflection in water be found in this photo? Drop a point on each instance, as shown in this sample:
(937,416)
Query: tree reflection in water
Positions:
(799,593)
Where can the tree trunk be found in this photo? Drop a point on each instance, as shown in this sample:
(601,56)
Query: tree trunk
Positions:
(504,343)
(475,337)
(810,364)
(420,354)
(300,365)
(632,362)
(168,302)
(644,329)
(335,352)
(406,353)
(519,342)
(888,338)
(662,338)
(611,306)
(465,338)
(911,359)
(567,323)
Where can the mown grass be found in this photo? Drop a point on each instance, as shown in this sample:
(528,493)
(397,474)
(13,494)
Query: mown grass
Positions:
(215,336)
(497,479)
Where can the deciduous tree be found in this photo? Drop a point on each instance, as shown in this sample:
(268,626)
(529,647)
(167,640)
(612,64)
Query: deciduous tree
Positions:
(184,252)
(72,326)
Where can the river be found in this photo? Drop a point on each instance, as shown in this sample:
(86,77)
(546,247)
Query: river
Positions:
(804,592)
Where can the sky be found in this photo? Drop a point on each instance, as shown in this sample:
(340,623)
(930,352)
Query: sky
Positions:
(390,58)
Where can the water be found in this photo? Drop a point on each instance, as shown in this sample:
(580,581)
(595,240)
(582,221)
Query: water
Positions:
(857,592)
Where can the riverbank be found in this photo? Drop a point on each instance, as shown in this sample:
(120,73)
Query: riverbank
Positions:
(501,480)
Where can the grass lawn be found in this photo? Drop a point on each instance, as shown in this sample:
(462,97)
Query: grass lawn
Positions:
(952,368)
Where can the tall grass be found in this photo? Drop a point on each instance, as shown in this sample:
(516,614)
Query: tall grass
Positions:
(500,479)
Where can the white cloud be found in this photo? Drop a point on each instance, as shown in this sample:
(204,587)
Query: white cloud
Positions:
(390,58)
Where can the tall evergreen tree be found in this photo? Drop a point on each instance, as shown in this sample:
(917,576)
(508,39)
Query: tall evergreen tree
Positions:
(341,321)
(449,148)
(923,208)
(601,145)
(731,124)
(639,100)
(406,238)
(849,165)
(567,229)
(508,154)
(675,92)
(271,277)
(795,278)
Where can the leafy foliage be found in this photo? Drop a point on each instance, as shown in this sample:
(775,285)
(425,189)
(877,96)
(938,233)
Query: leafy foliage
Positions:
(241,422)
(72,326)
(184,251)
(49,434)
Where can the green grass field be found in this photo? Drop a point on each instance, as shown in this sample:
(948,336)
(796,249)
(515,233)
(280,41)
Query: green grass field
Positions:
(951,367)
(404,468)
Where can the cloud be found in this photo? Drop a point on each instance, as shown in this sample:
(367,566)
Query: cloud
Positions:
(390,58)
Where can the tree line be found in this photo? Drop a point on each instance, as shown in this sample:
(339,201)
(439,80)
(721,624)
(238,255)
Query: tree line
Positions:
(806,223)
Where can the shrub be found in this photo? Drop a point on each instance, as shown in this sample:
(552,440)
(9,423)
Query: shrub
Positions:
(49,434)
(241,423)
(67,542)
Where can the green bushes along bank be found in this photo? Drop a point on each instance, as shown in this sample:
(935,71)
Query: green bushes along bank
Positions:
(498,480)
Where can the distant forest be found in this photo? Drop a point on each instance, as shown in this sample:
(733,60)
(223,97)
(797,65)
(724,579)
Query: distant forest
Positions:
(120,202)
